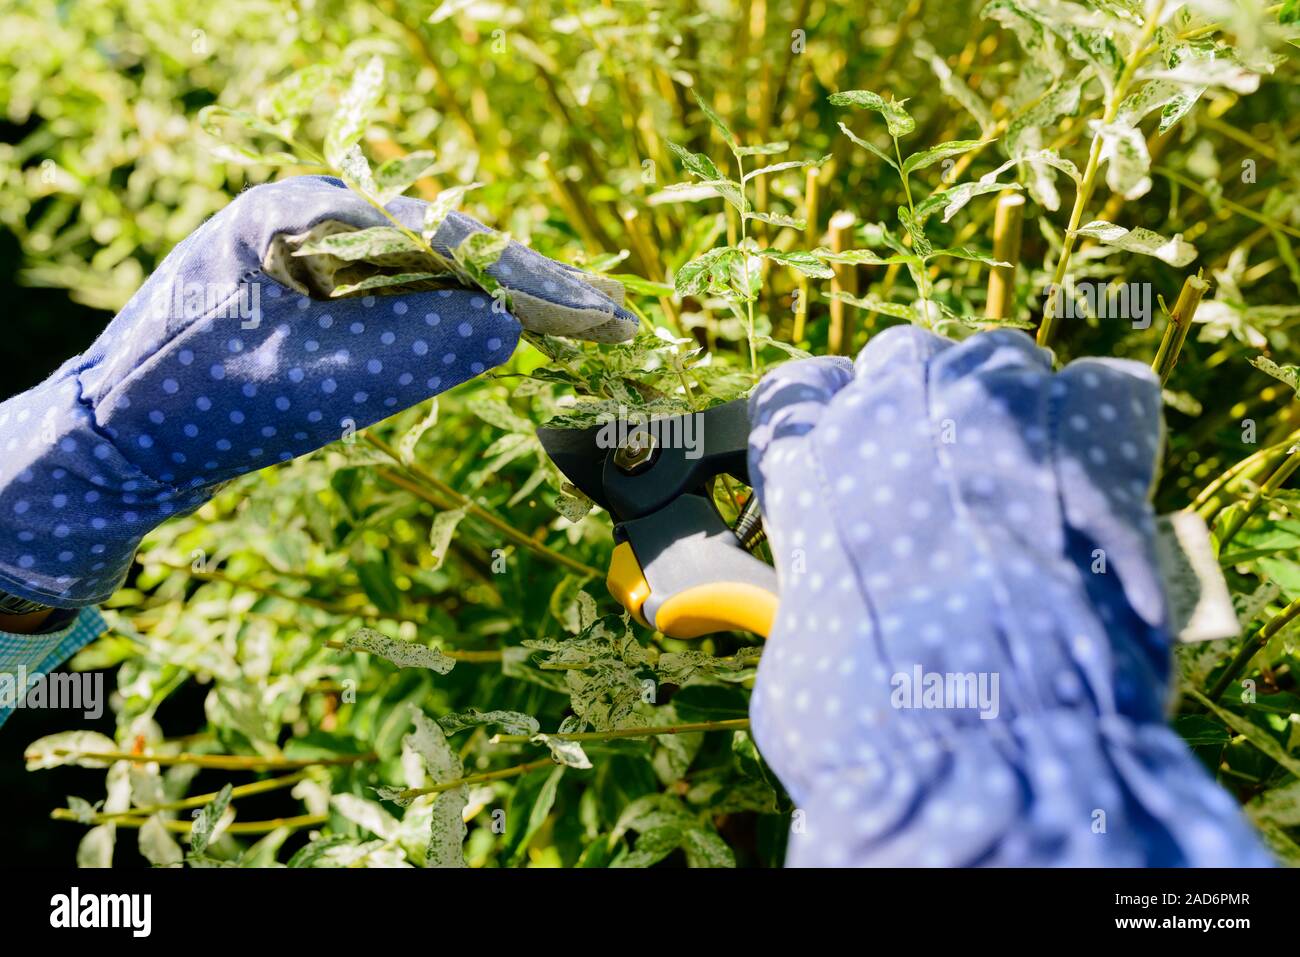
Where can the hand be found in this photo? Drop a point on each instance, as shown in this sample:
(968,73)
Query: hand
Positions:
(213,370)
(959,513)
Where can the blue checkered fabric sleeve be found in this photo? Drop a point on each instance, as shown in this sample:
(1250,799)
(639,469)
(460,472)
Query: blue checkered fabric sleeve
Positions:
(26,658)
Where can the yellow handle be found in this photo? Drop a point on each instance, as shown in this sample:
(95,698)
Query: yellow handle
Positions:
(626,582)
(702,610)
(717,606)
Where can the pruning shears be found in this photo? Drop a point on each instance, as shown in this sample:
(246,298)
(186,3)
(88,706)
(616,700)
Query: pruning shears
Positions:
(677,567)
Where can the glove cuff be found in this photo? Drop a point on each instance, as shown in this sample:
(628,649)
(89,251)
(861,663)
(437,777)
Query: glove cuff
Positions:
(73,509)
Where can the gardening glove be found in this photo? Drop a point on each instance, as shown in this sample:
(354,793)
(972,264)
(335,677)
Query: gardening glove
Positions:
(218,367)
(956,512)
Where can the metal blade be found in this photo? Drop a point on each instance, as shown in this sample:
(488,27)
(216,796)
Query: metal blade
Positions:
(576,454)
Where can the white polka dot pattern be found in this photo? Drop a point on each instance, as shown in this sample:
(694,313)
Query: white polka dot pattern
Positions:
(174,399)
(939,509)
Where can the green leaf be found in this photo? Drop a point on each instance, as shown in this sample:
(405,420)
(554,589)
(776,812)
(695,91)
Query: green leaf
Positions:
(411,438)
(653,846)
(704,848)
(367,815)
(920,244)
(1050,158)
(641,285)
(724,131)
(970,255)
(404,654)
(776,219)
(361,244)
(953,199)
(567,753)
(897,120)
(1289,374)
(1128,163)
(794,352)
(746,278)
(804,262)
(354,110)
(443,205)
(777,167)
(205,823)
(295,94)
(446,827)
(156,844)
(395,177)
(763,149)
(937,154)
(209,120)
(873,302)
(1257,736)
(40,754)
(324,852)
(863,257)
(479,252)
(422,280)
(354,169)
(511,722)
(868,146)
(441,531)
(1174,251)
(538,813)
(707,273)
(1199,731)
(378,585)
(697,164)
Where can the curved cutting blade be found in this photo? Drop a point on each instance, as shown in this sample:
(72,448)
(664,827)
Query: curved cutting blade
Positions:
(576,454)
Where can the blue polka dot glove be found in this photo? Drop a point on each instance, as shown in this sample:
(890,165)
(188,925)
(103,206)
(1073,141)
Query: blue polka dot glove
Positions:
(971,655)
(214,369)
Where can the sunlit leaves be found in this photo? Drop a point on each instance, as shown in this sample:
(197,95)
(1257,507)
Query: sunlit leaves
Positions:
(697,164)
(1128,164)
(212,120)
(355,109)
(69,748)
(360,244)
(717,122)
(867,145)
(1175,251)
(949,201)
(295,94)
(778,167)
(710,272)
(511,722)
(442,205)
(809,264)
(897,120)
(396,176)
(205,824)
(446,827)
(404,654)
(1290,374)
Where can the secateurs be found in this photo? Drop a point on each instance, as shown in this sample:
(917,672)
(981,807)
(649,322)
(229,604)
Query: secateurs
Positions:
(677,566)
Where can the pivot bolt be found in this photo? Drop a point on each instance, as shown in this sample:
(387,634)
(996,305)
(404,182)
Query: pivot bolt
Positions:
(636,454)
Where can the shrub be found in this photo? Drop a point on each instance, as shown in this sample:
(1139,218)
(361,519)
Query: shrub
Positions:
(407,630)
